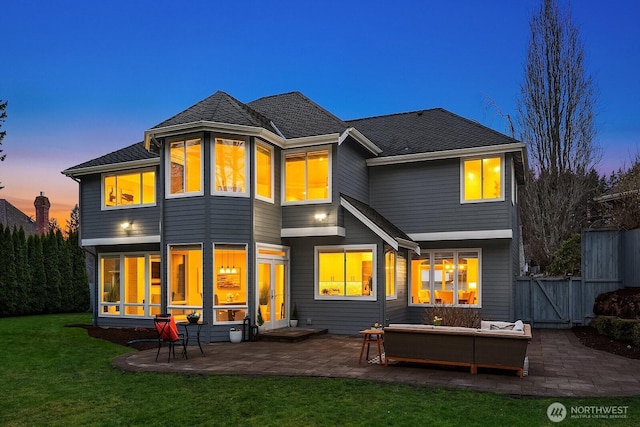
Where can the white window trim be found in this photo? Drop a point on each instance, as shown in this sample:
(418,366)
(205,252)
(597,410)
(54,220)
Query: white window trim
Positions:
(126,172)
(255,180)
(247,183)
(502,179)
(456,253)
(514,185)
(344,248)
(167,169)
(167,286)
(122,305)
(235,307)
(329,176)
(394,296)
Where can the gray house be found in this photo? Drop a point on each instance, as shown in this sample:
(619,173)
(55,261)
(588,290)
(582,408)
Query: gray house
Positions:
(235,210)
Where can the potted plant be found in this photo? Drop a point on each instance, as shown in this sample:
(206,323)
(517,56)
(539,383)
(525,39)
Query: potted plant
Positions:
(235,335)
(293,322)
(259,319)
(193,317)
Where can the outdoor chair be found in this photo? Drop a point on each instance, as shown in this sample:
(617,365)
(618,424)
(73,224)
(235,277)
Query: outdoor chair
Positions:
(168,333)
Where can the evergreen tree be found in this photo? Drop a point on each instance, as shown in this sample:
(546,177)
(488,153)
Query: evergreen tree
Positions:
(37,288)
(23,303)
(66,272)
(53,279)
(81,292)
(8,301)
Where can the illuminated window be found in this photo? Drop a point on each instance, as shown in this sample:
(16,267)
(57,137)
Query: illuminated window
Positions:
(130,285)
(345,272)
(307,176)
(185,170)
(446,278)
(264,173)
(390,272)
(185,279)
(230,166)
(482,179)
(231,291)
(129,189)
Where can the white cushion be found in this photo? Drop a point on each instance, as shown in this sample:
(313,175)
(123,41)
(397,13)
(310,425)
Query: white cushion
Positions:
(519,326)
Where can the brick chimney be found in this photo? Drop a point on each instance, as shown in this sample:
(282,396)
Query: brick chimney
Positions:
(42,213)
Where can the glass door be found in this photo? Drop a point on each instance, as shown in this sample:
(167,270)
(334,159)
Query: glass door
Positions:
(273,306)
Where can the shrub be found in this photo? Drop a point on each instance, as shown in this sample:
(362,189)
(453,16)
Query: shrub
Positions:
(621,329)
(453,316)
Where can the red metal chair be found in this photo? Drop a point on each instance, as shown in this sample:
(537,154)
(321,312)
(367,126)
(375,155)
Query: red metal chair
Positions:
(168,333)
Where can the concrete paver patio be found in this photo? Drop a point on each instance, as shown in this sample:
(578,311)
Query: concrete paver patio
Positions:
(559,365)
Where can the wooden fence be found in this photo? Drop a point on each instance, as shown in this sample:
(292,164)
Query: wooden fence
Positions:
(610,261)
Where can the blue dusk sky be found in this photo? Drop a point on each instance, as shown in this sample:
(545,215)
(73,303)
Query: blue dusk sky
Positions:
(84,78)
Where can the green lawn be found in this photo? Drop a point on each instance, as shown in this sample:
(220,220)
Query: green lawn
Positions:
(53,375)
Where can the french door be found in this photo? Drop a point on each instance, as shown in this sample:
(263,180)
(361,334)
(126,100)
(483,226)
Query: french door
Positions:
(272,292)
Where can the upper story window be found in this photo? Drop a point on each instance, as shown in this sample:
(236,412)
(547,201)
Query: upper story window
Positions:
(264,173)
(230,160)
(307,176)
(129,189)
(482,179)
(185,167)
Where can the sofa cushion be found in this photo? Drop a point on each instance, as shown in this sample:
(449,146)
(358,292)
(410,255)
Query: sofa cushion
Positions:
(519,326)
(502,328)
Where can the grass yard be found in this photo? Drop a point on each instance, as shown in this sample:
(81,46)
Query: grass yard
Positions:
(53,375)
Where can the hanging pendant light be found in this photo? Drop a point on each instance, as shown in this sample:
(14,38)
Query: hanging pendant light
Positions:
(221,271)
(227,270)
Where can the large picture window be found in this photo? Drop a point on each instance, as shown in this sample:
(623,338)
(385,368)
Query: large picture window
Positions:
(185,279)
(129,285)
(482,179)
(447,278)
(230,159)
(264,173)
(307,176)
(345,272)
(230,289)
(129,189)
(185,167)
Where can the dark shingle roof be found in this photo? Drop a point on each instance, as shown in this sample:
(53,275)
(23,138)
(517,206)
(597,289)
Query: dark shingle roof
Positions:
(373,215)
(219,107)
(296,116)
(426,131)
(128,154)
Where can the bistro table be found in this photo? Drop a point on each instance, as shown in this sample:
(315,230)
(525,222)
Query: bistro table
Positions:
(372,336)
(189,325)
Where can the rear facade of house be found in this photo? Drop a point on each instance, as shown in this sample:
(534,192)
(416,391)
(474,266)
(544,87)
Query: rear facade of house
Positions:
(241,210)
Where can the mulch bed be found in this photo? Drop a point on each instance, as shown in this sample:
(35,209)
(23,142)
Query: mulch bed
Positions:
(591,338)
(122,336)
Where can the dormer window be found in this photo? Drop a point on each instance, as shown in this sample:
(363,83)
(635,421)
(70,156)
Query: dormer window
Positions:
(129,189)
(230,160)
(307,176)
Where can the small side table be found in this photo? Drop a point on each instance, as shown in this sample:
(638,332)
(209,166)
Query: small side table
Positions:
(372,336)
(189,325)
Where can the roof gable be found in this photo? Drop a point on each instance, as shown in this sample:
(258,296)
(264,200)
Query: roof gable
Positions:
(297,116)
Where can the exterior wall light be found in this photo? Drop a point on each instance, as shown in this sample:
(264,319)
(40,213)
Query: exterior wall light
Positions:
(126,226)
(320,217)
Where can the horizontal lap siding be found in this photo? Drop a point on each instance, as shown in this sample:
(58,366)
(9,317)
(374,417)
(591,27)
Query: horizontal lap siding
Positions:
(97,223)
(353,174)
(340,317)
(267,223)
(424,197)
(184,220)
(230,219)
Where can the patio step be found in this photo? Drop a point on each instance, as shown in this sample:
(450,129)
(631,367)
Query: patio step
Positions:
(290,334)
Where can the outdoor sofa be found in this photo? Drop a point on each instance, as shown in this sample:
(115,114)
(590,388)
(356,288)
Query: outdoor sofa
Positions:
(500,345)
